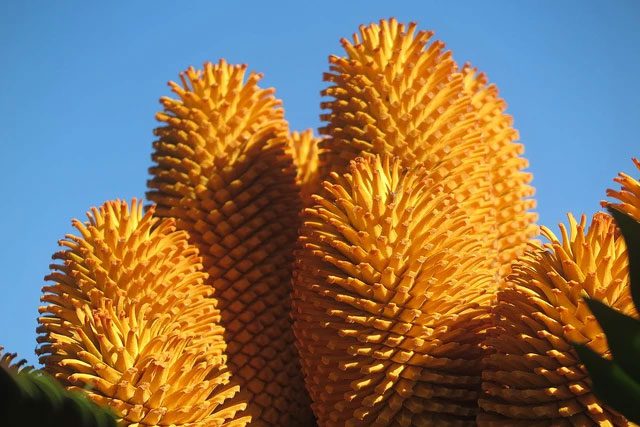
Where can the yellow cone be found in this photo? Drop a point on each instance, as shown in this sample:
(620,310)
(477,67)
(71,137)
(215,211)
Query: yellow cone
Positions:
(390,299)
(222,170)
(128,318)
(535,375)
(395,92)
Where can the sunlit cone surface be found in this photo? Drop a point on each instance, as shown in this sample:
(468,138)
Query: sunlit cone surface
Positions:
(395,91)
(510,184)
(223,171)
(628,197)
(535,377)
(389,301)
(128,315)
(305,156)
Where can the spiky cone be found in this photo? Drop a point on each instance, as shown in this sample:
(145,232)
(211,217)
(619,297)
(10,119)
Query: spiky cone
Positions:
(397,92)
(628,197)
(535,377)
(223,172)
(390,297)
(510,187)
(127,317)
(305,152)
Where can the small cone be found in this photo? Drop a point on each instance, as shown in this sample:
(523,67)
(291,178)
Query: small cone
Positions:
(535,376)
(128,319)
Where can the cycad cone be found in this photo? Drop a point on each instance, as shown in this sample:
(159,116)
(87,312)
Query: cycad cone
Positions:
(395,94)
(535,377)
(223,171)
(385,299)
(128,316)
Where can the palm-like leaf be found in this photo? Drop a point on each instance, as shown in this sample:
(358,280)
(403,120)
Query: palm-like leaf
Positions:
(32,398)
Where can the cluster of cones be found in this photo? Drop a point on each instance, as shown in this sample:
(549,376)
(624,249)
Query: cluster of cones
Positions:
(384,274)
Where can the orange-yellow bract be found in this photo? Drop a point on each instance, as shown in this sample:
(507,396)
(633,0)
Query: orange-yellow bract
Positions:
(127,314)
(535,377)
(305,151)
(389,299)
(223,171)
(628,196)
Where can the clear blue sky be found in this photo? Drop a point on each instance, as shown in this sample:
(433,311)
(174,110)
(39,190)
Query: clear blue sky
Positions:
(80,83)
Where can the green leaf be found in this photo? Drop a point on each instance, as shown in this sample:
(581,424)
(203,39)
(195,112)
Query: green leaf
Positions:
(623,336)
(630,229)
(36,399)
(611,384)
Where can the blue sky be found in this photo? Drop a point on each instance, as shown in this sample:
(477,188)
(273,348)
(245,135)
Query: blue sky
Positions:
(80,85)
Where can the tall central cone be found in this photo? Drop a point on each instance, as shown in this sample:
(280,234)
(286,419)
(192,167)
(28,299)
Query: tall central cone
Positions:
(223,172)
(396,93)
